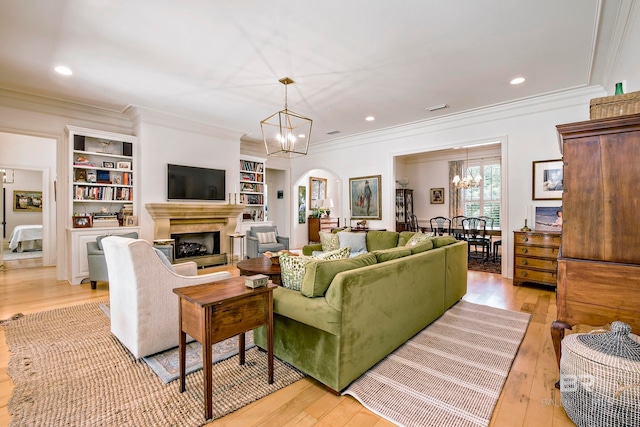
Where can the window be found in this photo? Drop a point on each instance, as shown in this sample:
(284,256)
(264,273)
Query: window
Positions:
(484,200)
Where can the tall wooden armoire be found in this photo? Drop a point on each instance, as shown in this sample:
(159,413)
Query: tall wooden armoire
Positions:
(599,262)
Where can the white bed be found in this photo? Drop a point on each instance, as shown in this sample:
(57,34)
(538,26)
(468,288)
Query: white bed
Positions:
(26,237)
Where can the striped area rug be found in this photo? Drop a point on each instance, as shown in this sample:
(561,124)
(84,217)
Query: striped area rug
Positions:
(450,374)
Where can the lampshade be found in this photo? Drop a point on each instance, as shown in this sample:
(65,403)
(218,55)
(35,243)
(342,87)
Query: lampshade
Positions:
(326,203)
(285,133)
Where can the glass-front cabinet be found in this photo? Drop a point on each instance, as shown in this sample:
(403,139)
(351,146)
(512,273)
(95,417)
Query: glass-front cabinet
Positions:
(404,208)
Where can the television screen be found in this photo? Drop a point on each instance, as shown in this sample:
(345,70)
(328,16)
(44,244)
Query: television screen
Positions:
(193,183)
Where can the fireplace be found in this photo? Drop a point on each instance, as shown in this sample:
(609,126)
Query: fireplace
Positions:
(182,220)
(196,244)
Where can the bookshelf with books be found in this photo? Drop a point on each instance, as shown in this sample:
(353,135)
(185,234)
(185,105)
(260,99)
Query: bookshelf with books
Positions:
(252,189)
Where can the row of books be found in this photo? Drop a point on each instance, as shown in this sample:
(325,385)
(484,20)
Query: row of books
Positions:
(251,187)
(252,199)
(246,165)
(244,176)
(102,193)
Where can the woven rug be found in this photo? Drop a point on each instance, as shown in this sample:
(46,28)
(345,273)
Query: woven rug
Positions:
(12,256)
(450,374)
(488,266)
(166,364)
(68,369)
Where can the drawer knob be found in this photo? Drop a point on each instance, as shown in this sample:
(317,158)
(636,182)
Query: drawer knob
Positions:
(524,274)
(525,239)
(524,262)
(525,250)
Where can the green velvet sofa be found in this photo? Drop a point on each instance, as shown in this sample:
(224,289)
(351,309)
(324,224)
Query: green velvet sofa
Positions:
(372,305)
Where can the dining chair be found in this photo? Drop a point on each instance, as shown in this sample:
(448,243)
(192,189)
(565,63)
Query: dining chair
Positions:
(440,225)
(456,227)
(413,223)
(489,221)
(475,233)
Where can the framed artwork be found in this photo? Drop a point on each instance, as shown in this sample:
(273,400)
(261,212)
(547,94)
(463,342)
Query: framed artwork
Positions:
(302,204)
(548,218)
(27,201)
(123,165)
(437,196)
(547,180)
(130,221)
(365,197)
(317,191)
(81,221)
(109,165)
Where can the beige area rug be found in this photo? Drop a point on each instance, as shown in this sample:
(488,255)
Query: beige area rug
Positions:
(68,369)
(450,374)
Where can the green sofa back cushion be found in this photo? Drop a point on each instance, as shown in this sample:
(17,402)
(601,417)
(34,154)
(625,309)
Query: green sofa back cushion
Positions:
(383,255)
(404,237)
(441,241)
(132,235)
(378,239)
(427,245)
(320,273)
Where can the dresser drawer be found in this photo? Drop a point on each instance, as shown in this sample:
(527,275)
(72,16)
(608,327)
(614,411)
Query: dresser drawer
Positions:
(536,251)
(541,263)
(525,275)
(541,239)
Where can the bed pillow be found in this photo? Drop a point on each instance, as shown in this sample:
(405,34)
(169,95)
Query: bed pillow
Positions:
(330,241)
(268,237)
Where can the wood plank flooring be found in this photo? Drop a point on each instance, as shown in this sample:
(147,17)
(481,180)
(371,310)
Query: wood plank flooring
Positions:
(528,398)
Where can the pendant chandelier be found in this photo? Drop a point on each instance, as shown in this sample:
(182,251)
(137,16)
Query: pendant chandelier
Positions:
(467,180)
(285,133)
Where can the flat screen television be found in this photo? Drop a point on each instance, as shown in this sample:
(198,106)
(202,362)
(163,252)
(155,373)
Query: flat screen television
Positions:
(193,183)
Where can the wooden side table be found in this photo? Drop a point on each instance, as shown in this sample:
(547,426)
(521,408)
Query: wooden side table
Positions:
(260,265)
(215,311)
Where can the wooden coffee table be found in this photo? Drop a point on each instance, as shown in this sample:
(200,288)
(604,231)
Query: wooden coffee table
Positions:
(260,265)
(215,311)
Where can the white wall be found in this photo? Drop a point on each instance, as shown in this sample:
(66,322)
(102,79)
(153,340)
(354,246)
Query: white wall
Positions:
(24,180)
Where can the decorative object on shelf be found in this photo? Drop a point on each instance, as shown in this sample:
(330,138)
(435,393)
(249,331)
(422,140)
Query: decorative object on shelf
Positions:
(130,221)
(362,224)
(81,221)
(325,206)
(256,281)
(109,165)
(437,196)
(106,145)
(467,180)
(123,165)
(27,201)
(403,182)
(91,176)
(285,133)
(525,228)
(614,106)
(619,90)
(365,197)
(547,180)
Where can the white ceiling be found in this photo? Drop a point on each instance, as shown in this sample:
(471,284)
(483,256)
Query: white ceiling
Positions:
(219,61)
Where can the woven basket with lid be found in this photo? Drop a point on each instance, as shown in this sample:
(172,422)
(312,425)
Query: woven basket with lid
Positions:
(600,378)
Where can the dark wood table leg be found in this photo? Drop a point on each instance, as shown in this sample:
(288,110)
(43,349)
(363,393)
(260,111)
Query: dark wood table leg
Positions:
(241,347)
(182,348)
(270,338)
(557,333)
(207,366)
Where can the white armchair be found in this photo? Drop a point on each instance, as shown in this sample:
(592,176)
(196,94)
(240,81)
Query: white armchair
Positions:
(144,309)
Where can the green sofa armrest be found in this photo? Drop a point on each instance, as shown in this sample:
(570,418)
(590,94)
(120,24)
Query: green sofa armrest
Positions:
(308,249)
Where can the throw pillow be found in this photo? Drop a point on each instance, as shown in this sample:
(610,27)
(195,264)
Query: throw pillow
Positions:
(292,270)
(441,241)
(418,237)
(356,241)
(404,237)
(337,254)
(268,237)
(330,241)
(162,257)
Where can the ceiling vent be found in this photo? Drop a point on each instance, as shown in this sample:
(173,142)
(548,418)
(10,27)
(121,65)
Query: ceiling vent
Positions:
(333,132)
(437,107)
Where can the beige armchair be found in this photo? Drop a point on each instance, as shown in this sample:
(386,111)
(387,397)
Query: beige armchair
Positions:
(144,309)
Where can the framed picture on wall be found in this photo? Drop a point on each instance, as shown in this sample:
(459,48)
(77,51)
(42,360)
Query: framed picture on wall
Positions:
(27,201)
(302,204)
(548,218)
(317,191)
(365,197)
(437,196)
(547,180)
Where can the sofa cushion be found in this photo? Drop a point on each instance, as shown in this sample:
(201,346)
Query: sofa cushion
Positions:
(133,235)
(292,270)
(339,253)
(330,241)
(441,241)
(423,246)
(356,241)
(320,273)
(268,237)
(404,237)
(383,255)
(164,259)
(417,238)
(378,239)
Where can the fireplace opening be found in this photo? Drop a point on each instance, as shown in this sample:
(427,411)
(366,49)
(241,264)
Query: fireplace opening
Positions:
(189,245)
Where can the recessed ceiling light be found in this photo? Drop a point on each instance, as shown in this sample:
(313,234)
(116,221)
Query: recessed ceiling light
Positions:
(370,118)
(517,80)
(437,107)
(65,71)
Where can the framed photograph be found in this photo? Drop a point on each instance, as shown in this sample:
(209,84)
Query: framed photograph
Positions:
(548,218)
(302,204)
(27,201)
(91,176)
(130,220)
(123,165)
(80,175)
(547,180)
(109,165)
(117,179)
(365,197)
(437,196)
(317,191)
(81,221)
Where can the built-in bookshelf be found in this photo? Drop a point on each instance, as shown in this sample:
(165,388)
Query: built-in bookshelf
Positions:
(252,189)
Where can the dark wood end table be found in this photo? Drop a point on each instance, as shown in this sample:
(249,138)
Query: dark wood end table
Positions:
(260,265)
(215,311)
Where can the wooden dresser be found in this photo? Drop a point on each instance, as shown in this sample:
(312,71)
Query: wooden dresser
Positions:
(316,225)
(599,264)
(535,257)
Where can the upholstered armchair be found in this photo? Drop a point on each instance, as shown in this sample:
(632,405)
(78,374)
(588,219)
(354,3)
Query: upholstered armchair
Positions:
(97,263)
(261,239)
(144,309)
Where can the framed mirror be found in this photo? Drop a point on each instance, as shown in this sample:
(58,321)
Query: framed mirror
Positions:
(317,191)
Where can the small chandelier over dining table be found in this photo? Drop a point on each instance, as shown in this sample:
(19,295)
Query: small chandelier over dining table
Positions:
(285,133)
(467,180)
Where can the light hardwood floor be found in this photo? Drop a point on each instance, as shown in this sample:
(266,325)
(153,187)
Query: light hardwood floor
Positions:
(528,397)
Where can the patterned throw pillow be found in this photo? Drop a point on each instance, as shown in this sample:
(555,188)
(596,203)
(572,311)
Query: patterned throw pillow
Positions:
(418,237)
(268,237)
(330,241)
(292,270)
(336,254)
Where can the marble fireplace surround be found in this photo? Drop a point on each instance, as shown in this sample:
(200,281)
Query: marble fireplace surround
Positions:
(178,218)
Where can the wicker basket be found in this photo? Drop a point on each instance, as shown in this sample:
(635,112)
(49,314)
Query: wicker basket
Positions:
(600,378)
(613,106)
